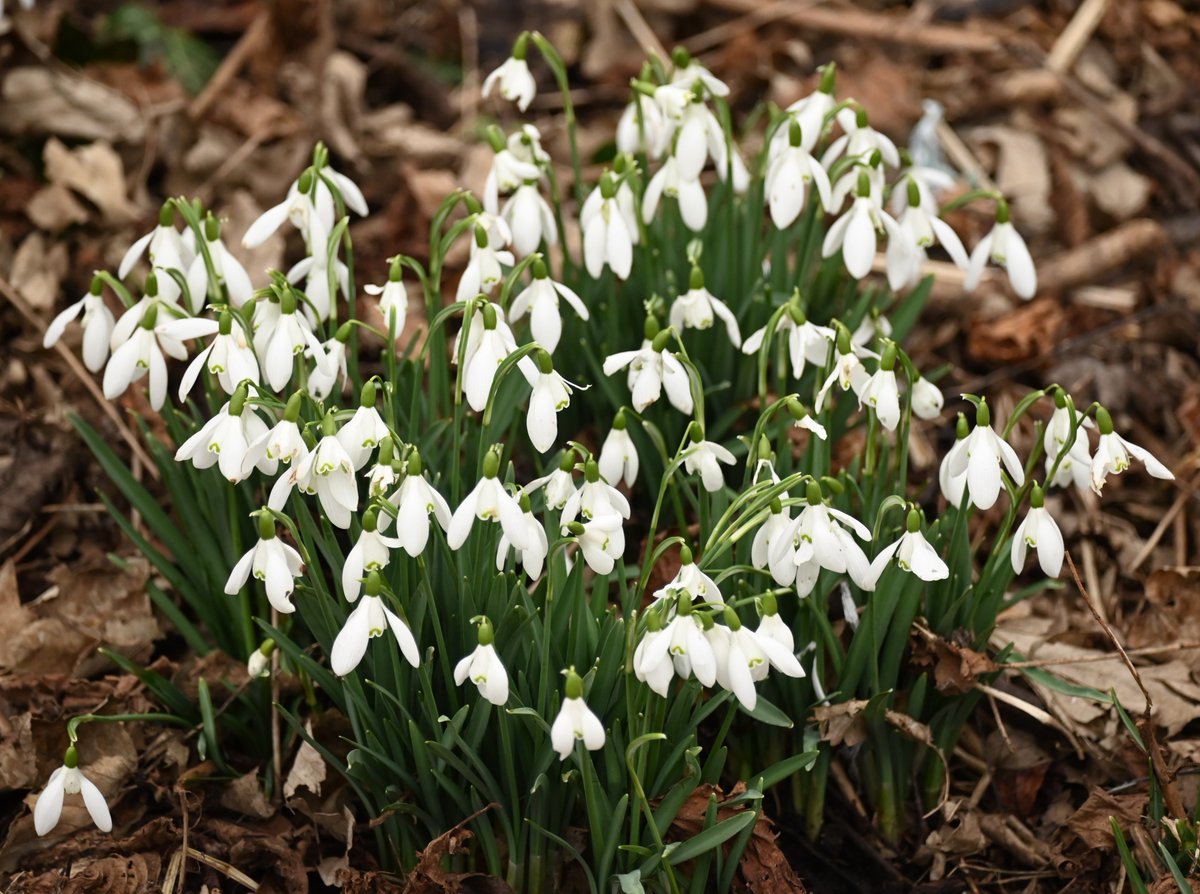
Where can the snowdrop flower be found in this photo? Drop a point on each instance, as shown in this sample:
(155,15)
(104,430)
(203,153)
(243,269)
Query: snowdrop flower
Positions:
(551,395)
(483,271)
(167,249)
(807,342)
(513,77)
(489,501)
(702,457)
(393,298)
(801,418)
(953,484)
(143,353)
(1038,530)
(930,182)
(1075,467)
(671,182)
(651,368)
(601,539)
(540,299)
(812,111)
(259,663)
(596,497)
(913,553)
(530,218)
(129,320)
(225,440)
(651,134)
(365,429)
(484,668)
(489,341)
(686,642)
(789,172)
(855,234)
(326,472)
(533,556)
(859,139)
(384,472)
(1004,247)
(271,561)
(691,582)
(314,270)
(848,371)
(329,364)
(771,625)
(517,160)
(229,359)
(298,208)
(689,73)
(742,658)
(559,485)
(880,391)
(282,443)
(618,455)
(228,270)
(415,501)
(926,398)
(819,539)
(928,229)
(652,661)
(780,562)
(69,780)
(608,238)
(695,310)
(371,552)
(981,458)
(575,721)
(368,620)
(279,344)
(1113,453)
(98,325)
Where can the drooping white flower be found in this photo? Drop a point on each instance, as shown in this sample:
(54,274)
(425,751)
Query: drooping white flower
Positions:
(702,457)
(855,233)
(258,665)
(329,365)
(594,498)
(271,561)
(484,272)
(225,441)
(229,359)
(984,452)
(393,298)
(743,657)
(415,501)
(780,562)
(913,553)
(513,77)
(927,399)
(789,172)
(368,620)
(618,454)
(371,552)
(859,139)
(1004,247)
(540,299)
(517,160)
(684,640)
(927,229)
(1113,453)
(652,661)
(601,539)
(652,368)
(575,721)
(608,238)
(559,485)
(98,325)
(1038,530)
(953,484)
(279,341)
(1075,467)
(551,395)
(881,393)
(69,780)
(489,501)
(365,430)
(821,538)
(142,353)
(691,582)
(772,626)
(695,310)
(670,181)
(315,270)
(298,208)
(227,269)
(489,341)
(848,370)
(811,112)
(484,668)
(643,128)
(166,247)
(533,556)
(689,73)
(807,342)
(530,218)
(326,472)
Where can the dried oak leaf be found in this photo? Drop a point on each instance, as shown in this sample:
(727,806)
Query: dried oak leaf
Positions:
(430,878)
(955,668)
(1028,331)
(95,172)
(842,723)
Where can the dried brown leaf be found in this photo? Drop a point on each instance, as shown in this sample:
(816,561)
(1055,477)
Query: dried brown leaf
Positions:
(842,723)
(95,172)
(44,100)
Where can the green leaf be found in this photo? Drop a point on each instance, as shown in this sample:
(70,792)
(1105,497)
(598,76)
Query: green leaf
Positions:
(710,838)
(765,712)
(1131,869)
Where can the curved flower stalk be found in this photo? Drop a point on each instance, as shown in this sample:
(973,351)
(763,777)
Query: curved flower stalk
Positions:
(1038,531)
(271,561)
(912,553)
(575,721)
(540,299)
(484,668)
(98,323)
(69,780)
(369,620)
(696,308)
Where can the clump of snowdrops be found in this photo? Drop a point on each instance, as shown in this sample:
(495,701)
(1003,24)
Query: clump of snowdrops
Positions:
(589,545)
